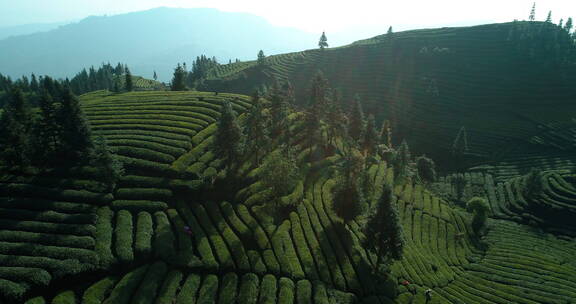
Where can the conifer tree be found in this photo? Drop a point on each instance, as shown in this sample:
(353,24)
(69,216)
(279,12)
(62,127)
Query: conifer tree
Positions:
(348,196)
(155,76)
(15,130)
(261,59)
(227,139)
(129,85)
(532,16)
(370,137)
(390,34)
(76,132)
(323,43)
(179,79)
(34,86)
(256,131)
(280,173)
(356,121)
(549,18)
(49,128)
(112,168)
(318,90)
(568,26)
(386,133)
(278,110)
(384,234)
(402,161)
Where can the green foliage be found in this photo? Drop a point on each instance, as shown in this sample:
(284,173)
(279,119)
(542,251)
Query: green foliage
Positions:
(383,232)
(228,135)
(280,173)
(96,293)
(426,169)
(323,43)
(144,232)
(459,182)
(146,293)
(479,206)
(228,289)
(170,287)
(103,158)
(532,16)
(123,291)
(189,289)
(533,185)
(209,290)
(75,129)
(402,160)
(179,79)
(128,80)
(124,235)
(370,137)
(16,131)
(164,239)
(65,297)
(249,289)
(356,121)
(256,131)
(261,58)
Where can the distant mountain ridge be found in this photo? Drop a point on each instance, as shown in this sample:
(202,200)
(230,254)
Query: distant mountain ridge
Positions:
(148,41)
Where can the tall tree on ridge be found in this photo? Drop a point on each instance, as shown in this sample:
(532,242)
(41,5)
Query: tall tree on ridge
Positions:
(179,79)
(532,16)
(549,18)
(15,130)
(76,134)
(261,59)
(129,85)
(356,122)
(323,43)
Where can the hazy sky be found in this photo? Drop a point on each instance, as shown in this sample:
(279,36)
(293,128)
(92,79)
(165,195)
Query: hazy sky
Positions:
(309,15)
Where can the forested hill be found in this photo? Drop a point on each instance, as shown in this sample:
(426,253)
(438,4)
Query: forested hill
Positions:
(504,83)
(149,40)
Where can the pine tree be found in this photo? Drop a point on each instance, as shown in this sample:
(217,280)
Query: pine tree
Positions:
(112,168)
(179,79)
(348,197)
(384,234)
(426,169)
(356,122)
(561,23)
(323,43)
(256,131)
(390,34)
(318,90)
(49,128)
(402,161)
(278,110)
(532,16)
(155,76)
(261,59)
(549,18)
(15,131)
(129,85)
(386,133)
(370,137)
(227,139)
(568,26)
(280,174)
(34,86)
(76,134)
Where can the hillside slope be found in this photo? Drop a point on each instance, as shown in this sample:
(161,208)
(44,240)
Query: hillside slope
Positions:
(510,85)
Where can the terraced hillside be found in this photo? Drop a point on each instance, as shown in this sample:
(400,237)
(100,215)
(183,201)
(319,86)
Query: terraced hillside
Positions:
(510,85)
(160,237)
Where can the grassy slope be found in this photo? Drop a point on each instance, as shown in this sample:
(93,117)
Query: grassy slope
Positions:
(485,81)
